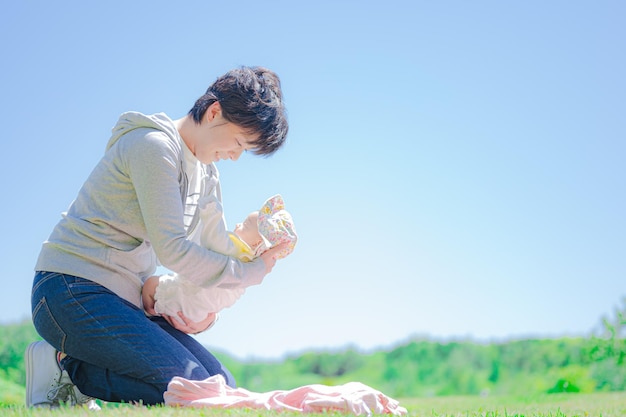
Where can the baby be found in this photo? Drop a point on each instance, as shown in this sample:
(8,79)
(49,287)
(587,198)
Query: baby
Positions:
(271,225)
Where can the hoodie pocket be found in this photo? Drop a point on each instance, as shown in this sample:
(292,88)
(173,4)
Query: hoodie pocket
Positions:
(140,261)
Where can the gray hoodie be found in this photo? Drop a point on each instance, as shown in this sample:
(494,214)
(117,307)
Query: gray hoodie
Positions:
(130,211)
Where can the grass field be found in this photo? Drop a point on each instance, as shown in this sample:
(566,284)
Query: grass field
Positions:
(549,405)
(553,405)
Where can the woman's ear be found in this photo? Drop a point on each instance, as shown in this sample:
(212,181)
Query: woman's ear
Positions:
(213,111)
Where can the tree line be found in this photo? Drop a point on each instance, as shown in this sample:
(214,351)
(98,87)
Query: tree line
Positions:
(420,367)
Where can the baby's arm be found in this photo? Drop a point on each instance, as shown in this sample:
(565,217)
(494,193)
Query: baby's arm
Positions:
(147,294)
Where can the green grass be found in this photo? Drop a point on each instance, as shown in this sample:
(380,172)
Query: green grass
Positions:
(547,405)
(553,405)
(11,393)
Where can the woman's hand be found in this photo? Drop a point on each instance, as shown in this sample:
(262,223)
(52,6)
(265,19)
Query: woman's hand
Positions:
(147,294)
(191,327)
(269,256)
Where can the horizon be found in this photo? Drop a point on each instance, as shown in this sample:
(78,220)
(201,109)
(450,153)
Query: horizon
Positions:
(599,332)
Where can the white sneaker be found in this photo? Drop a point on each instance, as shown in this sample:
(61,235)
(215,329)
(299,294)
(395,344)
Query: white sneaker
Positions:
(47,385)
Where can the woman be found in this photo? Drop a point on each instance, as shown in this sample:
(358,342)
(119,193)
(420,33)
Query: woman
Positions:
(137,206)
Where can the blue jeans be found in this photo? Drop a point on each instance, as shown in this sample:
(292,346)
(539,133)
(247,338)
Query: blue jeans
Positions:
(114,352)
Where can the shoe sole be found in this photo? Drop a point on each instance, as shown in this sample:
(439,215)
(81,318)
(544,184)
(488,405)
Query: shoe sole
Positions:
(30,374)
(90,403)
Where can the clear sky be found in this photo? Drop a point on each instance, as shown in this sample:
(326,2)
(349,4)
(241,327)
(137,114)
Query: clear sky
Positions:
(455,169)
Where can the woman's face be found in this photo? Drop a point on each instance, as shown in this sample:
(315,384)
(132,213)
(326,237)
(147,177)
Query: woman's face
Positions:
(219,138)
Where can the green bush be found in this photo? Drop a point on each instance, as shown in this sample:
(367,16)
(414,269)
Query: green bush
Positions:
(418,368)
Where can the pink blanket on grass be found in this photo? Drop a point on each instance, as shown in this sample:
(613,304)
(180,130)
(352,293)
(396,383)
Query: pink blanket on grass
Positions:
(353,397)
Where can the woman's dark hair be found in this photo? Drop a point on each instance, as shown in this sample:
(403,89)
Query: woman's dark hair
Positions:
(251,98)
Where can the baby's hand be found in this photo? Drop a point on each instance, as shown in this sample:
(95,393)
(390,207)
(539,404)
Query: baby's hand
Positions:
(147,294)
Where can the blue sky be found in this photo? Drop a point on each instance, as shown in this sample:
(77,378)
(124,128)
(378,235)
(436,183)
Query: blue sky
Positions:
(454,169)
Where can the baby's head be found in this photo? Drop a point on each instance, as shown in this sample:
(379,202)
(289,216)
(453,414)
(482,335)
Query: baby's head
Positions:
(248,231)
(268,227)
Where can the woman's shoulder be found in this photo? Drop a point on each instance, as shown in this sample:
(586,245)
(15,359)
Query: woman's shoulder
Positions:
(135,129)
